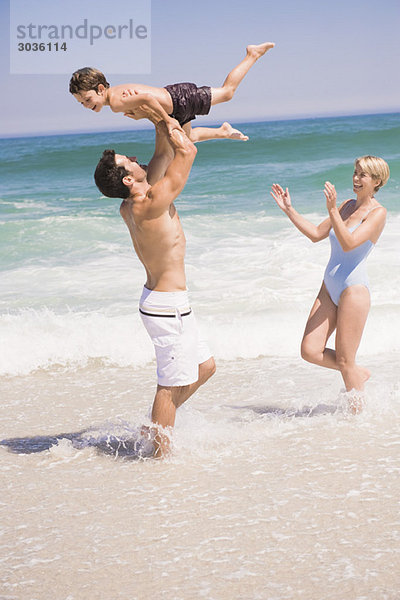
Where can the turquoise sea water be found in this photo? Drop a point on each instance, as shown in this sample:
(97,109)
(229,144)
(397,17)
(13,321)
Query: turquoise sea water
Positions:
(66,257)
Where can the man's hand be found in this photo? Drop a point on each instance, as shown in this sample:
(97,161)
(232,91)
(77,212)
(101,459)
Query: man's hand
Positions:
(145,105)
(132,114)
(142,111)
(150,109)
(139,113)
(128,92)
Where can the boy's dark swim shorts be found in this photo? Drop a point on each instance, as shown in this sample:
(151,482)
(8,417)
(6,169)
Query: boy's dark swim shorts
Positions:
(189,100)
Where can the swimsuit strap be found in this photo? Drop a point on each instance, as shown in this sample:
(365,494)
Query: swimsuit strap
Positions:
(370,210)
(363,219)
(373,208)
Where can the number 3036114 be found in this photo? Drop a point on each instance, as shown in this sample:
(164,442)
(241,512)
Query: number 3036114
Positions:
(42,47)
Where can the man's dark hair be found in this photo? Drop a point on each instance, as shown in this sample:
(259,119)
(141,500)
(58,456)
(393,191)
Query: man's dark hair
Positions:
(108,176)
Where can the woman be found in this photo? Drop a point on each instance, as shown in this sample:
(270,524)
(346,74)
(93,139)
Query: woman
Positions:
(343,301)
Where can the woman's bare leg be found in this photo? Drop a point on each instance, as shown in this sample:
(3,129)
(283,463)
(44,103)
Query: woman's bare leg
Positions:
(353,311)
(253,53)
(320,326)
(349,319)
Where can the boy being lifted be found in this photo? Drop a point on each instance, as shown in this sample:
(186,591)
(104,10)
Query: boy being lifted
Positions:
(180,101)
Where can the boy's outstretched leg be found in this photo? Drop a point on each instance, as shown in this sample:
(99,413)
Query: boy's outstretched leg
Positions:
(253,53)
(224,132)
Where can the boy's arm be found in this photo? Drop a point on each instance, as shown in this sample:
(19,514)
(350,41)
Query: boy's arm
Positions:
(165,191)
(142,105)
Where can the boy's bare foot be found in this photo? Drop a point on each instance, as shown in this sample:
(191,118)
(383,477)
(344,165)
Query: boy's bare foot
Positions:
(256,51)
(230,133)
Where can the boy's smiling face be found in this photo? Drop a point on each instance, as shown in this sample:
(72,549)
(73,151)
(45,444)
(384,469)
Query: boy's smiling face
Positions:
(92,99)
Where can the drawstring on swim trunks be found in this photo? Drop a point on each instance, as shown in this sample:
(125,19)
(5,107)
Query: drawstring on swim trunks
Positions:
(172,315)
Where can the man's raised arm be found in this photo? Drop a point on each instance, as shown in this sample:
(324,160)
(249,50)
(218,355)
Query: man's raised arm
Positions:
(164,192)
(164,151)
(162,157)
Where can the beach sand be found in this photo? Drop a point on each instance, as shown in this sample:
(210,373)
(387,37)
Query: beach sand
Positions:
(272,491)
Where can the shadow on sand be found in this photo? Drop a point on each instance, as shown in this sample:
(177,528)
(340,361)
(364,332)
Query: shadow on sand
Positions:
(129,446)
(304,412)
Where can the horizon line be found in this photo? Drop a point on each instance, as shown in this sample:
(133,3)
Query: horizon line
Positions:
(305,117)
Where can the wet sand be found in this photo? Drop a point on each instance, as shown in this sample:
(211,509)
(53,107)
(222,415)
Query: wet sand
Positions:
(272,490)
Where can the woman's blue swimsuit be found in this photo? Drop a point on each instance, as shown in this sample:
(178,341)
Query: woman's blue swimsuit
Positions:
(346,268)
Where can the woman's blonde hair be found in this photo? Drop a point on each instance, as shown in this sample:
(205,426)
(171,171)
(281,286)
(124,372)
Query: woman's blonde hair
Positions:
(374,166)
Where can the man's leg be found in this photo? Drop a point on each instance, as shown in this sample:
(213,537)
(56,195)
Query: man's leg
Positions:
(253,53)
(168,399)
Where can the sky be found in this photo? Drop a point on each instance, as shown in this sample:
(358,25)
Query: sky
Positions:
(331,58)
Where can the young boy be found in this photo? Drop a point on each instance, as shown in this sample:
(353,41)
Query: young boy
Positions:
(181,101)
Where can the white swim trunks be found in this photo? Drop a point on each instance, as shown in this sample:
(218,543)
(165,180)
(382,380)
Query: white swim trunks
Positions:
(171,324)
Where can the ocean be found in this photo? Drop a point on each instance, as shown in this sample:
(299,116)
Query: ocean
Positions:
(272,490)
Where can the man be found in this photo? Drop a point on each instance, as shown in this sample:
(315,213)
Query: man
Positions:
(184,362)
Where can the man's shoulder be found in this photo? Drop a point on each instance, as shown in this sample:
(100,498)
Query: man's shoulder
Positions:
(126,208)
(135,207)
